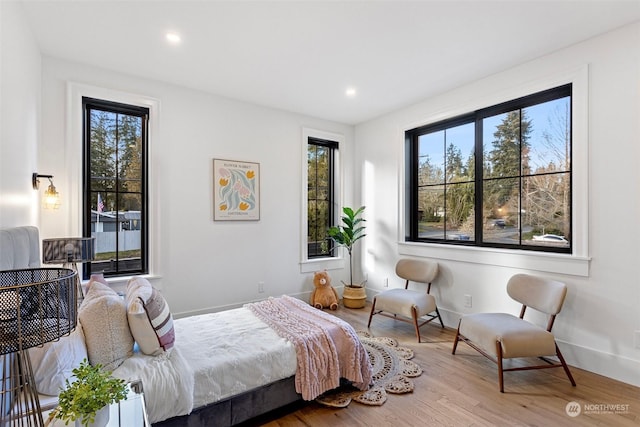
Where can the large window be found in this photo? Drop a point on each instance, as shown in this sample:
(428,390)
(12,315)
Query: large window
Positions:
(115,186)
(498,177)
(320,196)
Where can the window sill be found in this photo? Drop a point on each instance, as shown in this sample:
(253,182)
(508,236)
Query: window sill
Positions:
(537,261)
(317,264)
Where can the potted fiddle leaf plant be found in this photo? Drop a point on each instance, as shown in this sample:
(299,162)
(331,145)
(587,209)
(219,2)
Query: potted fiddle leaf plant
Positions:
(86,400)
(347,234)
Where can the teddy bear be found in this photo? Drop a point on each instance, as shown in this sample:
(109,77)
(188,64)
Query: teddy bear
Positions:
(324,295)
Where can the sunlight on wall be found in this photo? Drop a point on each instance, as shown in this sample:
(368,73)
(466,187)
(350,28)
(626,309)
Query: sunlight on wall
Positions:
(368,200)
(16,200)
(14,206)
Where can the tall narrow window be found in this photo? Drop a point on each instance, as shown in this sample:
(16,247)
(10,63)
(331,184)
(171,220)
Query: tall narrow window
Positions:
(115,186)
(320,196)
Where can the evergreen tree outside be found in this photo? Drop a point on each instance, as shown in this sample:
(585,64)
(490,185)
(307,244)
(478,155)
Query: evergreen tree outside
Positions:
(508,159)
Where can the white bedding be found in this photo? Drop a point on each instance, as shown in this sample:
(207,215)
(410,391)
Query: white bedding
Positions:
(215,356)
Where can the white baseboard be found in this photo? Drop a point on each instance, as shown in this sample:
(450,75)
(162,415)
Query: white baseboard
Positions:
(609,365)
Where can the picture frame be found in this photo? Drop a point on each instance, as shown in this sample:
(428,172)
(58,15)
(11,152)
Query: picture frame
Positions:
(236,190)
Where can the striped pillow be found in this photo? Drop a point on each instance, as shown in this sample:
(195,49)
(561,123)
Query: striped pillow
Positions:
(149,317)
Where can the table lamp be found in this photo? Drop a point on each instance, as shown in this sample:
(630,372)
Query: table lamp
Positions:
(69,251)
(37,305)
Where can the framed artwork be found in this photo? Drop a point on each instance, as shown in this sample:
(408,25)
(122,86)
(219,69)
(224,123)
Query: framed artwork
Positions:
(236,190)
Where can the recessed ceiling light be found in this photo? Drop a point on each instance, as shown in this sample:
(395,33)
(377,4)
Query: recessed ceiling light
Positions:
(350,92)
(173,37)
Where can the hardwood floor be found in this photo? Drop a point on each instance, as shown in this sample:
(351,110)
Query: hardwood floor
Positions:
(462,390)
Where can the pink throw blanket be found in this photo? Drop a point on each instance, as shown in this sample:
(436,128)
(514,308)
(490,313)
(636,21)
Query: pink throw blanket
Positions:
(327,348)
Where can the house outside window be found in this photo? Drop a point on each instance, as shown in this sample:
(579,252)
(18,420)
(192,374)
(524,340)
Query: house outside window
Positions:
(321,155)
(497,177)
(115,183)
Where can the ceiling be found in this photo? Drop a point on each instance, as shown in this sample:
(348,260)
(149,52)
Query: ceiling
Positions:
(301,56)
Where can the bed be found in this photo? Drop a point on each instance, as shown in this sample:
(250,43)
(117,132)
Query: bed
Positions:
(206,375)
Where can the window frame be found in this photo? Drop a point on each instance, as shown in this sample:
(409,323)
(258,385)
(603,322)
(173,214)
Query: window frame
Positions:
(337,260)
(73,160)
(333,147)
(493,91)
(412,141)
(143,112)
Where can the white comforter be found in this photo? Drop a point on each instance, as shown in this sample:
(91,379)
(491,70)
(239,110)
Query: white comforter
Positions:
(215,356)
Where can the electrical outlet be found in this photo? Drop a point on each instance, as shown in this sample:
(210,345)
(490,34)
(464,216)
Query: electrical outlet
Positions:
(366,276)
(467,301)
(260,287)
(385,282)
(637,338)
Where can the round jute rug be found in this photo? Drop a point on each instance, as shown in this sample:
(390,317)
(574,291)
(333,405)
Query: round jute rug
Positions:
(392,371)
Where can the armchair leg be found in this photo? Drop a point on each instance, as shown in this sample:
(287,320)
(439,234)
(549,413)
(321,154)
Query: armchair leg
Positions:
(439,318)
(564,366)
(456,339)
(500,371)
(373,307)
(414,312)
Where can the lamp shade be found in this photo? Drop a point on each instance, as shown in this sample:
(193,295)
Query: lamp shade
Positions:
(68,249)
(37,305)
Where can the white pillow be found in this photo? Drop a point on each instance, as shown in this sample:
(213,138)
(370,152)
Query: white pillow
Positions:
(103,316)
(52,363)
(149,318)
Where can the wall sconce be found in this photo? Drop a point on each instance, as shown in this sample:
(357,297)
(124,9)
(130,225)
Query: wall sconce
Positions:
(51,197)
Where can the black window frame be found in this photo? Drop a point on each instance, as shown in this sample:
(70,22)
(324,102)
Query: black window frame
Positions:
(412,161)
(89,104)
(332,146)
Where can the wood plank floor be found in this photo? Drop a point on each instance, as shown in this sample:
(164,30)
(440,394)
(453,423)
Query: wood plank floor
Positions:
(462,390)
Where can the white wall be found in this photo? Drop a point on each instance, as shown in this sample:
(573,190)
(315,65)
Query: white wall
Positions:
(600,318)
(19,118)
(203,265)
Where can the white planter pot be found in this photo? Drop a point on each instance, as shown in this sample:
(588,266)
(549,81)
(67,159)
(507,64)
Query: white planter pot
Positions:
(101,419)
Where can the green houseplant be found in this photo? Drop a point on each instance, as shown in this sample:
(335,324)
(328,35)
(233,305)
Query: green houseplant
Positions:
(347,234)
(92,390)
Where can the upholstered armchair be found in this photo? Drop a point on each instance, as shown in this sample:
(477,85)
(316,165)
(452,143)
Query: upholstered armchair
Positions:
(500,336)
(410,305)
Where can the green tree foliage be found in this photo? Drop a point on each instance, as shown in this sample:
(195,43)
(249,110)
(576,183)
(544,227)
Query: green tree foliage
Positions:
(508,157)
(459,192)
(130,162)
(431,199)
(103,150)
(116,159)
(318,205)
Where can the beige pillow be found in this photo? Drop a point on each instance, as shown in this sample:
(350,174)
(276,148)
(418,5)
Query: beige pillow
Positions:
(149,317)
(103,316)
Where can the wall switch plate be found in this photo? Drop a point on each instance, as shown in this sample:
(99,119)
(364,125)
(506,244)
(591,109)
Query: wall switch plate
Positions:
(260,287)
(467,301)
